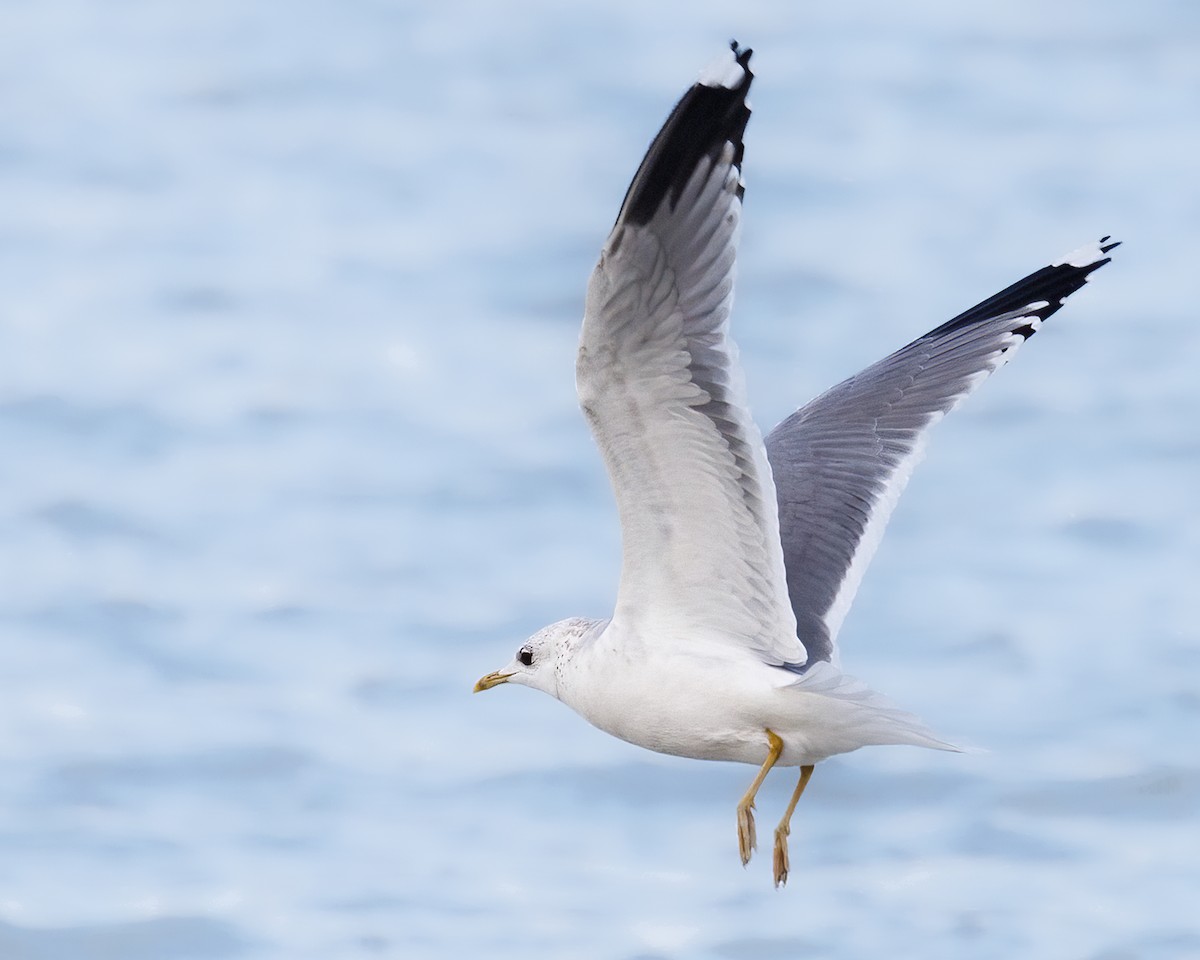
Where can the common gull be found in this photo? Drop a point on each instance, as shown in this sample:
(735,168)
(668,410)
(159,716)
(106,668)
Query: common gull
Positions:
(740,558)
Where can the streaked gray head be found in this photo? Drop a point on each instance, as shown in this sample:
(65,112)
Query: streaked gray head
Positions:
(538,661)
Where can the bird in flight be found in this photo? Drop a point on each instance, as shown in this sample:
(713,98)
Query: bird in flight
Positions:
(741,557)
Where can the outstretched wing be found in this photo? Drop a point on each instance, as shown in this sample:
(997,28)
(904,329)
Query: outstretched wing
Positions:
(841,461)
(659,383)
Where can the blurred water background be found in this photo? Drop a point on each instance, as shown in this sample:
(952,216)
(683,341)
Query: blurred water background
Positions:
(290,296)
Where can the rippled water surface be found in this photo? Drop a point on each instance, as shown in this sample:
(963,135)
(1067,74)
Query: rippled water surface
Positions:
(290,300)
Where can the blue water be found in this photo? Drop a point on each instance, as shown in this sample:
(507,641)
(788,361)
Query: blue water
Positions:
(290,300)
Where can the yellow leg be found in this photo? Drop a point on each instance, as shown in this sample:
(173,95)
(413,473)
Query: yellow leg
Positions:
(785,828)
(747,841)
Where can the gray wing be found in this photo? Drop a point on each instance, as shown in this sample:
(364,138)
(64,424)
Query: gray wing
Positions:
(659,382)
(841,462)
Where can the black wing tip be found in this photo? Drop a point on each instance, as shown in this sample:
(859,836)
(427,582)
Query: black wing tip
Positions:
(741,56)
(1091,255)
(712,113)
(719,75)
(1039,295)
(1078,266)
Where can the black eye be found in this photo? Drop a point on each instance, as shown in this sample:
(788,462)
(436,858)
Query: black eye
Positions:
(525,655)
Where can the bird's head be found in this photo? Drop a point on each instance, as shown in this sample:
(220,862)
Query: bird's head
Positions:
(539,661)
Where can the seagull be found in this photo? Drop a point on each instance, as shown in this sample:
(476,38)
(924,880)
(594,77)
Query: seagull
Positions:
(740,557)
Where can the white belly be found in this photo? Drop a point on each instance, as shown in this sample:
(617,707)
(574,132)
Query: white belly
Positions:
(708,708)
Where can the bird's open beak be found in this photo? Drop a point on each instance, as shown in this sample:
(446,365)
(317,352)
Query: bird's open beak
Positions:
(491,680)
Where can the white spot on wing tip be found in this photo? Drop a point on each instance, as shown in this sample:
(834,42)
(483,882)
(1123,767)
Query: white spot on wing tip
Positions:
(1085,255)
(724,71)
